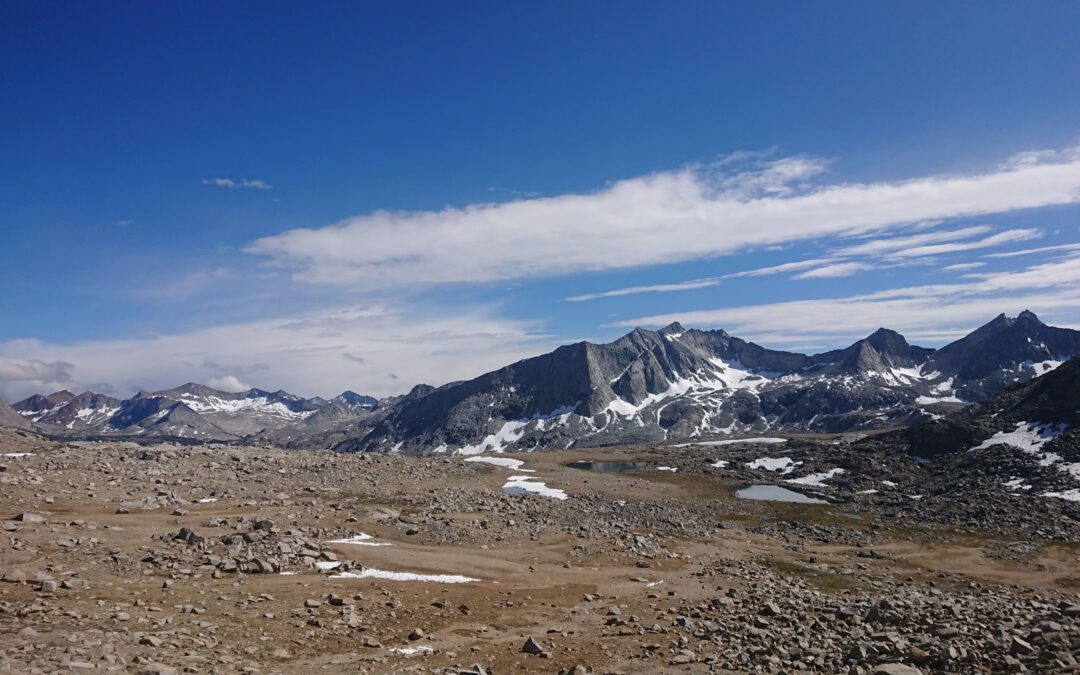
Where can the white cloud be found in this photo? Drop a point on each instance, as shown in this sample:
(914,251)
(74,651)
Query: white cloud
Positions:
(963,267)
(878,247)
(313,354)
(834,270)
(654,288)
(229,383)
(1006,237)
(661,218)
(780,269)
(20,377)
(934,313)
(1030,251)
(238,183)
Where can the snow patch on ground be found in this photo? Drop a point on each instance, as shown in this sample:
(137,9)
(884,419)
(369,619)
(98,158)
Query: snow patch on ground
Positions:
(17,455)
(735,441)
(359,539)
(519,485)
(1016,484)
(667,468)
(1029,437)
(507,462)
(781,464)
(1072,495)
(927,400)
(409,651)
(719,464)
(816,479)
(372,573)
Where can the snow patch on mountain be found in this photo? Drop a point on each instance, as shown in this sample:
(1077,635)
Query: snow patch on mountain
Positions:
(1029,437)
(213,404)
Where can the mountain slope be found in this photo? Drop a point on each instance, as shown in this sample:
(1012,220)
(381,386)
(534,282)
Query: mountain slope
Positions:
(242,413)
(1025,438)
(9,417)
(1004,351)
(192,411)
(676,383)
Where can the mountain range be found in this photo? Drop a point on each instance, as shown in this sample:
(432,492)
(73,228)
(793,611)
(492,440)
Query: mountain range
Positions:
(647,386)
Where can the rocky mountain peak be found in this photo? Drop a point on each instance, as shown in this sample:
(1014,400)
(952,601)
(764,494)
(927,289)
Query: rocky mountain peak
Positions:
(889,342)
(1028,316)
(351,398)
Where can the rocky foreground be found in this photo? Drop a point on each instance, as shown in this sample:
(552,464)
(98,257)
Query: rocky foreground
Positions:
(217,559)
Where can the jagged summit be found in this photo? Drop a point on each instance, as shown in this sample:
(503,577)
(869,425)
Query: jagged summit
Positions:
(351,398)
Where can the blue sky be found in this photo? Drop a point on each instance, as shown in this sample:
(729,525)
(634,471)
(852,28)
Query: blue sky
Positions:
(369,196)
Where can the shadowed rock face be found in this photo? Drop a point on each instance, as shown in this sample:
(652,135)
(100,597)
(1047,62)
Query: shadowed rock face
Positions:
(646,386)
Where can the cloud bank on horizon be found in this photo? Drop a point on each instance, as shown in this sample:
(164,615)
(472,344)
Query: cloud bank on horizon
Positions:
(894,238)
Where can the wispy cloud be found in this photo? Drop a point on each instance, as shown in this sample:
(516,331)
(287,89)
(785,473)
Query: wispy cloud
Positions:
(1006,237)
(654,288)
(187,285)
(932,312)
(238,183)
(963,267)
(834,270)
(780,269)
(880,247)
(1030,251)
(667,217)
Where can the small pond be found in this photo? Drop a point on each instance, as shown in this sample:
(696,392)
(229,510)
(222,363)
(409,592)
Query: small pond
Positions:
(775,493)
(612,467)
